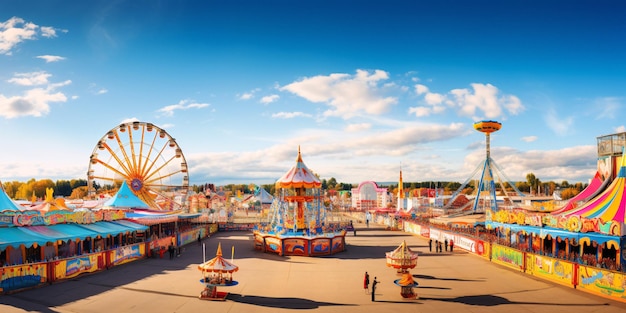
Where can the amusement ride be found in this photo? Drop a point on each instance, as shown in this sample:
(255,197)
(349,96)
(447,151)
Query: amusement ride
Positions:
(490,178)
(147,158)
(297,222)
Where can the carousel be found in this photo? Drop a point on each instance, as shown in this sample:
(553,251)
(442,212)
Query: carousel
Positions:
(297,222)
(217,272)
(403,259)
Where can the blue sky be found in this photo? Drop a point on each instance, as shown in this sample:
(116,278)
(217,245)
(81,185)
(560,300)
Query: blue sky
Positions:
(364,87)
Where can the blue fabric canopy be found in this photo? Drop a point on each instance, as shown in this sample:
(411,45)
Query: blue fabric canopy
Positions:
(109,228)
(13,236)
(129,224)
(125,198)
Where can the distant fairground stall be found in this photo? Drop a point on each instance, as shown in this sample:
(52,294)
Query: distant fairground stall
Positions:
(297,222)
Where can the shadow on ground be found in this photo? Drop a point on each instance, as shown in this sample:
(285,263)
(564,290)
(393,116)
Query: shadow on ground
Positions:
(492,300)
(283,303)
(419,276)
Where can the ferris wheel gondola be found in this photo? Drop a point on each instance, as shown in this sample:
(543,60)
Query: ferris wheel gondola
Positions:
(147,158)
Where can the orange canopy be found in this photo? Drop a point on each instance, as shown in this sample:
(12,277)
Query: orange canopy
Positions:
(299,176)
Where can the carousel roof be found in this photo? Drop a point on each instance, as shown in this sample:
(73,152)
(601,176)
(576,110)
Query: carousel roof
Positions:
(299,176)
(402,257)
(218,264)
(610,205)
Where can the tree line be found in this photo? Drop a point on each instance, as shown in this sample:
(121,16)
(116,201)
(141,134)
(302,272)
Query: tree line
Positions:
(77,188)
(74,189)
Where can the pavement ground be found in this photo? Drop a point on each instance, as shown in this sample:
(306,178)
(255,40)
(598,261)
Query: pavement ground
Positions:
(448,282)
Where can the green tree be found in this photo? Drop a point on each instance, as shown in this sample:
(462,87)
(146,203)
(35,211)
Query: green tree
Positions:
(332,183)
(63,188)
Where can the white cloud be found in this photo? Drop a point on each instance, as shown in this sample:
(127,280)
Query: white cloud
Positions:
(102,91)
(51,58)
(529,138)
(358,127)
(420,111)
(286,115)
(34,102)
(620,129)
(15,31)
(182,105)
(48,32)
(269,99)
(608,106)
(346,95)
(483,101)
(434,98)
(129,120)
(420,89)
(561,125)
(248,95)
(30,79)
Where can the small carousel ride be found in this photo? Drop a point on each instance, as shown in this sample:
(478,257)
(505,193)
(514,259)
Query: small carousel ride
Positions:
(217,272)
(403,259)
(297,222)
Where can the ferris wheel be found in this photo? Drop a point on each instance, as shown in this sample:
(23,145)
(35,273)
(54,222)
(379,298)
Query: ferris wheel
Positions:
(147,158)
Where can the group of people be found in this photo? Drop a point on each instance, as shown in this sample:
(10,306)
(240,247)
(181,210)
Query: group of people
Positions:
(439,245)
(366,285)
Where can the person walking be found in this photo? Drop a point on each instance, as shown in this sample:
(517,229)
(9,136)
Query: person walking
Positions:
(437,245)
(366,283)
(374,283)
(451,245)
(170,249)
(430,245)
(446,243)
(199,239)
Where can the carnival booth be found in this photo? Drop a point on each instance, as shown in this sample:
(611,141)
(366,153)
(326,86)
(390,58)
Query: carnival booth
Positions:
(217,272)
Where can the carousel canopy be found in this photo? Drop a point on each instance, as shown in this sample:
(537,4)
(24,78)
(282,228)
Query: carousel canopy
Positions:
(218,264)
(125,198)
(402,257)
(299,176)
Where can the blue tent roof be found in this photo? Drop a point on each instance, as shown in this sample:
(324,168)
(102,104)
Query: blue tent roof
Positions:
(125,198)
(6,204)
